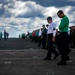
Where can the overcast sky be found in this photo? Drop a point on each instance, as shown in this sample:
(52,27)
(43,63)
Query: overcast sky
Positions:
(21,16)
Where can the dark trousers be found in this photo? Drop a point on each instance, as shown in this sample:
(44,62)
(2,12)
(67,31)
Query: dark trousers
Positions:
(44,41)
(50,46)
(39,41)
(63,46)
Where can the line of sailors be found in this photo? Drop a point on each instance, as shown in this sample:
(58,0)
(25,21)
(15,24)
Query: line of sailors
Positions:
(40,36)
(5,34)
(50,36)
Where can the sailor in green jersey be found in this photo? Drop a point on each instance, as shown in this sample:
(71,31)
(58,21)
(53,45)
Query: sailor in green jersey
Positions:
(64,24)
(63,44)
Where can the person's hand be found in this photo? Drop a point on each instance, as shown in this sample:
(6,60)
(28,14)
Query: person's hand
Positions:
(53,39)
(58,33)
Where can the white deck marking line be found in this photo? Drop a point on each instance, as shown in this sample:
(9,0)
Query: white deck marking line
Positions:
(19,58)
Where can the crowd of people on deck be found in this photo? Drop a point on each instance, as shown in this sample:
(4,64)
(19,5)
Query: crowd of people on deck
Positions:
(37,37)
(56,41)
(5,34)
(50,38)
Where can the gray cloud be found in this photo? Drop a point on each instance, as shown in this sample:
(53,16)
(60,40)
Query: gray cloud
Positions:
(56,3)
(2,10)
(5,2)
(29,9)
(18,16)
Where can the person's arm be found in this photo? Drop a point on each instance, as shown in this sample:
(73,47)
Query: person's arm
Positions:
(54,34)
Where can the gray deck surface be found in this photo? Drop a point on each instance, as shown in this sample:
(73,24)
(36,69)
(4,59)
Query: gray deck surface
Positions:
(22,57)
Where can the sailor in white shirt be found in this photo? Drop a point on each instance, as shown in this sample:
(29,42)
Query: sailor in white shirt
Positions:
(51,32)
(39,37)
(40,32)
(52,29)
